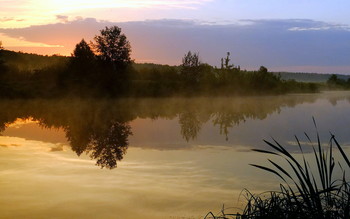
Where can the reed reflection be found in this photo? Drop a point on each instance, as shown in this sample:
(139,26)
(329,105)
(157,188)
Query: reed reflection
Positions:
(101,128)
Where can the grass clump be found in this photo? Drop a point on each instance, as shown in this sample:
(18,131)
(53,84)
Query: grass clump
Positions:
(306,192)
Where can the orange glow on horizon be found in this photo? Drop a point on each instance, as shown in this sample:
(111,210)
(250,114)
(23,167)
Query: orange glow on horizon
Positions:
(38,12)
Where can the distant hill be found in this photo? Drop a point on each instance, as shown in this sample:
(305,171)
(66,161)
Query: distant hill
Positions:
(309,77)
(160,67)
(29,61)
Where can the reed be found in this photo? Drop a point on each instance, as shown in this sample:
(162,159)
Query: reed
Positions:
(304,192)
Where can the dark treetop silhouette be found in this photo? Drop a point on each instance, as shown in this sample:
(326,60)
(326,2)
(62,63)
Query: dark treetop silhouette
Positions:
(104,68)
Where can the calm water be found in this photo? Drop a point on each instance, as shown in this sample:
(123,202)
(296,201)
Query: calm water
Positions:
(150,158)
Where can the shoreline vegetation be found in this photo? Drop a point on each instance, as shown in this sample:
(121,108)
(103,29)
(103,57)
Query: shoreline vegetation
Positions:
(310,189)
(314,191)
(104,68)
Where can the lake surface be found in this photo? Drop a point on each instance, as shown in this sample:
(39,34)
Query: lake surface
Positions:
(150,158)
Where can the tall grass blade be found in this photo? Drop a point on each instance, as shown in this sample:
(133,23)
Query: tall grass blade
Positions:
(280,168)
(341,150)
(269,170)
(308,193)
(264,151)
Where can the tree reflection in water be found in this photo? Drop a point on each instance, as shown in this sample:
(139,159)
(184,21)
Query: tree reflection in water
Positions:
(190,125)
(101,128)
(106,144)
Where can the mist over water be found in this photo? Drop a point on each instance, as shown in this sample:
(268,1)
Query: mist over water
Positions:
(160,157)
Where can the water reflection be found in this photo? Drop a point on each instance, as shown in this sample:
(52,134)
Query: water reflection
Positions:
(190,125)
(106,143)
(90,127)
(101,128)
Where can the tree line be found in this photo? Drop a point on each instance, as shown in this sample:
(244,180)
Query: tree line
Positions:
(104,68)
(338,83)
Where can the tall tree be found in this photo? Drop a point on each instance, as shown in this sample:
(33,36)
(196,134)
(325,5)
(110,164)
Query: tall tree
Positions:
(83,52)
(84,63)
(190,68)
(263,69)
(112,46)
(225,62)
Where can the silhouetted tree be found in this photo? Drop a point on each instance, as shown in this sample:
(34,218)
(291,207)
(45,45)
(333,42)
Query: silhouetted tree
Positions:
(83,67)
(263,80)
(190,68)
(113,51)
(225,62)
(228,75)
(83,52)
(333,79)
(80,75)
(112,46)
(263,69)
(208,79)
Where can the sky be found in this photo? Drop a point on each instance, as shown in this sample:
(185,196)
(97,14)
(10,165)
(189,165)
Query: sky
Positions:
(293,35)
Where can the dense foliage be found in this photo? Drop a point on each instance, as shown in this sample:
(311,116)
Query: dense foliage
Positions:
(104,68)
(335,82)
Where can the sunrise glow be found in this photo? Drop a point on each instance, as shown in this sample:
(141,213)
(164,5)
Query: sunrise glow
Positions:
(186,109)
(155,27)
